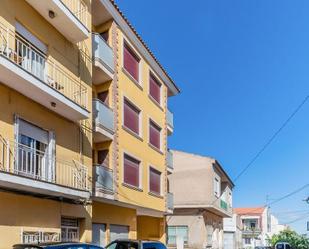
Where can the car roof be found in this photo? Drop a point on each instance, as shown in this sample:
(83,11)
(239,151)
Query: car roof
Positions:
(51,244)
(136,241)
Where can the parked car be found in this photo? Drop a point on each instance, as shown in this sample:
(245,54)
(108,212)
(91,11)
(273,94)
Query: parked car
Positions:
(135,244)
(282,245)
(56,245)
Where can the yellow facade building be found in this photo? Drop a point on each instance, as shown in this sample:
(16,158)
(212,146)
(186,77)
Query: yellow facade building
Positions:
(83,125)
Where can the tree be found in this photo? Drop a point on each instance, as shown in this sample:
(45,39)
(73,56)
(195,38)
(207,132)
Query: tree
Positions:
(295,240)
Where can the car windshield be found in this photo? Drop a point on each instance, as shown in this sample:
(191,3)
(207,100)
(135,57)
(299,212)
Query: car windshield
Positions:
(123,245)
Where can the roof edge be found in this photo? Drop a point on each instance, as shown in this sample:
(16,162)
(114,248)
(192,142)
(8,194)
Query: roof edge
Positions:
(129,30)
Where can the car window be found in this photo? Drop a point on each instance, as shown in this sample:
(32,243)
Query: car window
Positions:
(153,245)
(280,246)
(123,245)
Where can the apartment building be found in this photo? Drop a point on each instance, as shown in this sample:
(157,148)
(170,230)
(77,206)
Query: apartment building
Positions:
(83,125)
(202,198)
(131,123)
(256,225)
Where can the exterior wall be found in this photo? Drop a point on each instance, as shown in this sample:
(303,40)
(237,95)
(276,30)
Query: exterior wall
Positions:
(115,215)
(19,212)
(151,228)
(200,192)
(201,227)
(73,140)
(74,61)
(139,147)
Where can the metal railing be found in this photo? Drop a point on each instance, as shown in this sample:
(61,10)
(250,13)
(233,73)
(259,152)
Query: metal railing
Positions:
(21,52)
(170,201)
(22,160)
(103,116)
(104,178)
(79,9)
(170,119)
(170,163)
(102,52)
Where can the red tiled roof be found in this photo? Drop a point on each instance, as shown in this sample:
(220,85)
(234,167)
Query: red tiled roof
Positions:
(141,40)
(252,210)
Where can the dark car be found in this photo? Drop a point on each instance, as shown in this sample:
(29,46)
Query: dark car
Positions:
(135,244)
(58,245)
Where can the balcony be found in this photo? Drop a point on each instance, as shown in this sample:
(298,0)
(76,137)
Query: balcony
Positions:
(103,122)
(103,60)
(103,182)
(30,170)
(170,164)
(26,69)
(69,17)
(170,122)
(170,202)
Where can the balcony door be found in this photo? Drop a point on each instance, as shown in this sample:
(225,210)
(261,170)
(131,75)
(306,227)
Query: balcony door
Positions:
(34,151)
(30,52)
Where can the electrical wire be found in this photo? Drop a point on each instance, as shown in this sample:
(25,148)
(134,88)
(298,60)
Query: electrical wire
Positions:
(271,139)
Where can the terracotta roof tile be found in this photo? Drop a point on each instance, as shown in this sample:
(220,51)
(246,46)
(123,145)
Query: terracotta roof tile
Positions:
(252,210)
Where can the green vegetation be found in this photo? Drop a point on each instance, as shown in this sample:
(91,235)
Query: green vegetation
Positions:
(295,240)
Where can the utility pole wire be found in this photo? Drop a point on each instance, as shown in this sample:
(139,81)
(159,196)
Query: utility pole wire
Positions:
(272,138)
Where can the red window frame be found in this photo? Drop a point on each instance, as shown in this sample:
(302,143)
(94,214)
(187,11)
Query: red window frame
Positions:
(154,134)
(154,88)
(131,61)
(154,181)
(131,171)
(131,116)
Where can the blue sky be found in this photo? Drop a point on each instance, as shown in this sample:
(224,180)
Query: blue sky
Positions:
(243,68)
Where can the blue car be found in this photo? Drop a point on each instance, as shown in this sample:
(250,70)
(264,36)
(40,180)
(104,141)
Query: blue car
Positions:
(58,245)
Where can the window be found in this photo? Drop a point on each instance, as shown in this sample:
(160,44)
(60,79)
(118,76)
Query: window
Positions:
(33,57)
(69,229)
(217,187)
(103,157)
(103,96)
(131,62)
(131,117)
(154,181)
(247,241)
(131,171)
(177,231)
(154,88)
(154,135)
(34,147)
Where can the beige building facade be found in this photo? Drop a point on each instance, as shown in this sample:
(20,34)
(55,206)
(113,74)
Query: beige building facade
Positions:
(202,198)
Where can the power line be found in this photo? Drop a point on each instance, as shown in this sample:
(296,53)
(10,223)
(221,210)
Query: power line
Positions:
(289,195)
(272,138)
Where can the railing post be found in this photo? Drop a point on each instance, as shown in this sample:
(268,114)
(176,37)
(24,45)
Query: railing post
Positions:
(7,42)
(8,156)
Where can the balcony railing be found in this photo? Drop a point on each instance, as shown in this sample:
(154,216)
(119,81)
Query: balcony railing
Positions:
(104,179)
(170,119)
(22,53)
(223,204)
(170,163)
(21,160)
(170,201)
(103,116)
(79,9)
(102,52)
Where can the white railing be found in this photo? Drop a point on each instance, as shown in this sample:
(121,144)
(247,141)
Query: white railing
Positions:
(79,9)
(34,237)
(19,159)
(21,52)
